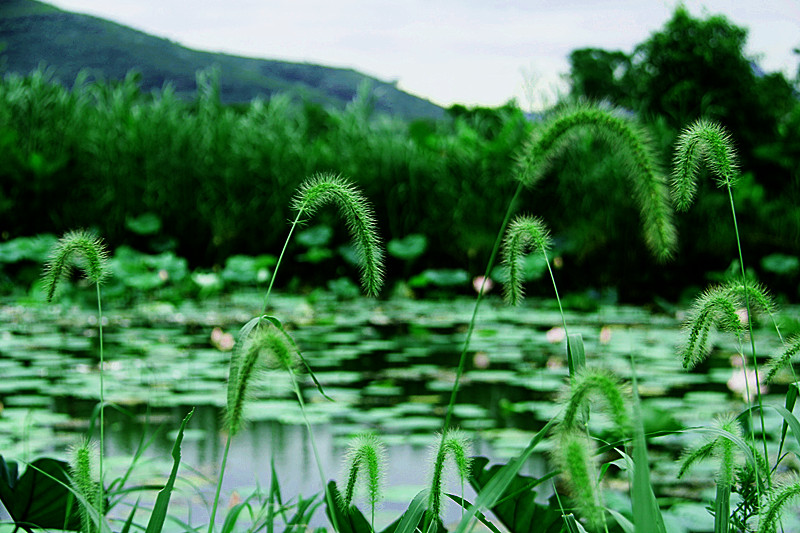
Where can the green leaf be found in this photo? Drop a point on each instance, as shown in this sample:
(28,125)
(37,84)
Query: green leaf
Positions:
(440,278)
(41,497)
(144,224)
(352,521)
(408,248)
(495,490)
(517,508)
(315,236)
(156,522)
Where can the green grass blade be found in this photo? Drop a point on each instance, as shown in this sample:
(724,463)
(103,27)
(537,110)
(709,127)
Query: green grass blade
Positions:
(278,324)
(790,420)
(625,524)
(233,515)
(646,514)
(410,520)
(126,528)
(791,399)
(576,354)
(722,509)
(156,523)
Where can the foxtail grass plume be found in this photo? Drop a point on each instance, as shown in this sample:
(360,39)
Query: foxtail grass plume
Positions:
(365,460)
(82,460)
(524,232)
(574,456)
(594,382)
(720,307)
(456,445)
(357,212)
(772,510)
(777,362)
(265,346)
(720,448)
(702,141)
(648,183)
(79,248)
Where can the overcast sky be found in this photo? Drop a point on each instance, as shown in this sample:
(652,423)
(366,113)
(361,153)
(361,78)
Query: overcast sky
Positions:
(474,52)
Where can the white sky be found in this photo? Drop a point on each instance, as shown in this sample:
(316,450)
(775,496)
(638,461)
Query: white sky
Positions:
(474,52)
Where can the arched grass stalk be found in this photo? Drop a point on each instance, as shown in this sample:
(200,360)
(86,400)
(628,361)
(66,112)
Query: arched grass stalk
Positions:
(264,344)
(724,450)
(358,214)
(456,445)
(87,252)
(707,141)
(365,460)
(649,186)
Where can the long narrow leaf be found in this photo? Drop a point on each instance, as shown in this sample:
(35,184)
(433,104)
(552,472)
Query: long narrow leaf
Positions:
(156,523)
(410,520)
(646,514)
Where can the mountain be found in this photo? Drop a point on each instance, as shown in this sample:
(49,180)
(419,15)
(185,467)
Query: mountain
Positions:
(33,33)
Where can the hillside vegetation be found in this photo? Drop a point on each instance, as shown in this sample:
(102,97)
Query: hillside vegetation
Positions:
(35,34)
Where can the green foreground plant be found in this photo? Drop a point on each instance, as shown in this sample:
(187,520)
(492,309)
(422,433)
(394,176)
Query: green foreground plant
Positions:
(265,343)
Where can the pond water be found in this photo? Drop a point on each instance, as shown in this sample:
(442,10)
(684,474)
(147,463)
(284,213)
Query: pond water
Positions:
(388,365)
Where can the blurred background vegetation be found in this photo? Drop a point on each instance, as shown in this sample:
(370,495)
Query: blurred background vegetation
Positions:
(198,187)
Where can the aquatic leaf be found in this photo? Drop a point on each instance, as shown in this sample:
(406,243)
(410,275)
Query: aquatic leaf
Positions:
(409,247)
(40,498)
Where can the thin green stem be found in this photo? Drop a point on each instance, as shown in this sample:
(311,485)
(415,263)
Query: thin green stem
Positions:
(555,289)
(471,328)
(280,259)
(328,499)
(219,484)
(102,397)
(750,329)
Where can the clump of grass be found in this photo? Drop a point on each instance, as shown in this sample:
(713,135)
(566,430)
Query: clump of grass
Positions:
(454,444)
(365,460)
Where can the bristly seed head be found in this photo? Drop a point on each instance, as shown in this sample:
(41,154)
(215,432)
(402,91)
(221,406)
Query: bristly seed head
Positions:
(707,141)
(455,444)
(79,248)
(365,460)
(524,232)
(357,212)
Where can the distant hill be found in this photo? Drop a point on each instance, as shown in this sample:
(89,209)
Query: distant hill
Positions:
(34,33)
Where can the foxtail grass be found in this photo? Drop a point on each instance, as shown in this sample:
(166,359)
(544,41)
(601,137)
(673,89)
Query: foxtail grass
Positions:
(723,449)
(708,142)
(88,253)
(82,460)
(648,183)
(777,498)
(366,461)
(358,214)
(454,445)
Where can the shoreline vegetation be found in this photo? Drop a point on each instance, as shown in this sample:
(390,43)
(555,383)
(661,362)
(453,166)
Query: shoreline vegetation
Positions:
(196,196)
